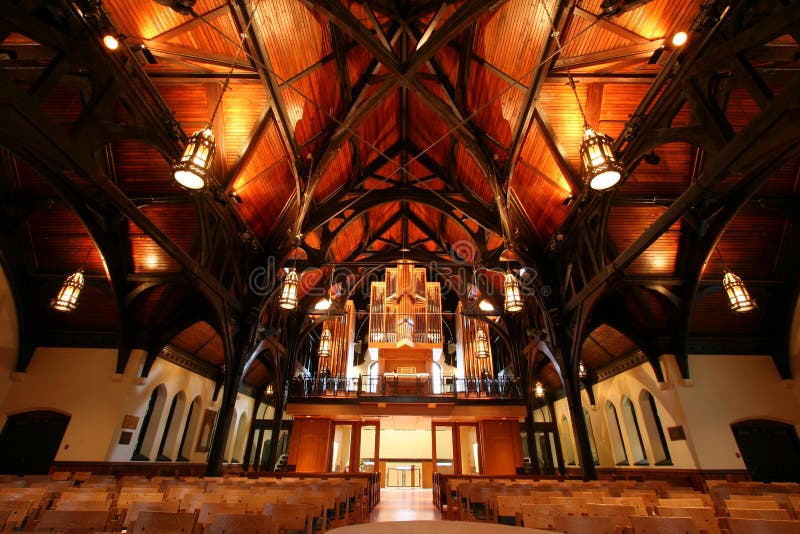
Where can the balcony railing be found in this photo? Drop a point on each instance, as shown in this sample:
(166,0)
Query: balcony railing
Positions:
(421,387)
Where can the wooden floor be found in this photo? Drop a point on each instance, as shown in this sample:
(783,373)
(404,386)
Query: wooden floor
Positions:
(400,504)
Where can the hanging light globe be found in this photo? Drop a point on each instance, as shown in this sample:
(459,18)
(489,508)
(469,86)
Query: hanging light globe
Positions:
(513,298)
(739,298)
(538,390)
(288,298)
(325,342)
(481,345)
(66,300)
(191,169)
(599,165)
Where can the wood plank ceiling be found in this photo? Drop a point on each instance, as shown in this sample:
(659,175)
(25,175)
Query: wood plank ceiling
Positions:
(367,126)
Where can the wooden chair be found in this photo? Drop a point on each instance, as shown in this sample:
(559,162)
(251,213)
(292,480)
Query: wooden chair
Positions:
(124,500)
(193,501)
(256,501)
(72,522)
(705,497)
(84,506)
(507,509)
(648,496)
(734,497)
(284,517)
(542,515)
(681,503)
(135,508)
(762,526)
(752,505)
(794,504)
(317,506)
(576,505)
(18,512)
(239,524)
(179,493)
(620,513)
(175,522)
(638,502)
(760,513)
(645,524)
(575,524)
(704,517)
(4,516)
(206,513)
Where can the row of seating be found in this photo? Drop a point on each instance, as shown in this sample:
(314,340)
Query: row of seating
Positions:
(538,505)
(118,504)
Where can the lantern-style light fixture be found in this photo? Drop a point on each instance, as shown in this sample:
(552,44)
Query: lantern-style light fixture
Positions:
(192,168)
(325,342)
(582,370)
(513,298)
(481,344)
(66,300)
(739,298)
(538,390)
(601,170)
(288,298)
(600,167)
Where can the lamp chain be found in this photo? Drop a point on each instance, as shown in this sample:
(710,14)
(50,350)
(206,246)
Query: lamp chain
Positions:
(559,52)
(227,81)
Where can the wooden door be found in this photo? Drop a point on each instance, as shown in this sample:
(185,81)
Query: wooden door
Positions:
(30,440)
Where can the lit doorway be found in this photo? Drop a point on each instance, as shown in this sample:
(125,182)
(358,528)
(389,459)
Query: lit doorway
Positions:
(355,447)
(456,448)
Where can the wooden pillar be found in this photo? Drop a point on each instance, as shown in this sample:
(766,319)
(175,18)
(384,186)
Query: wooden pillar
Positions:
(227,407)
(557,438)
(532,448)
(579,429)
(248,450)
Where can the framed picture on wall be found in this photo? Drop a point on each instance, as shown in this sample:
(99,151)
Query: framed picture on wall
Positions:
(206,431)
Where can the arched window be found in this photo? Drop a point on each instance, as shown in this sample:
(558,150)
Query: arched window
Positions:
(565,430)
(592,444)
(372,371)
(436,377)
(615,435)
(654,429)
(634,434)
(190,430)
(147,434)
(169,440)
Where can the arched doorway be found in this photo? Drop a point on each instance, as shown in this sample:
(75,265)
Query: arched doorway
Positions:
(30,440)
(770,450)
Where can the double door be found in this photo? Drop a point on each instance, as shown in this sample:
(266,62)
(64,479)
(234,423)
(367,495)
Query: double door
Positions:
(355,447)
(456,448)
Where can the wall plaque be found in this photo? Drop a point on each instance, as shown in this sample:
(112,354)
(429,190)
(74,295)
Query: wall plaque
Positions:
(130,421)
(676,433)
(125,437)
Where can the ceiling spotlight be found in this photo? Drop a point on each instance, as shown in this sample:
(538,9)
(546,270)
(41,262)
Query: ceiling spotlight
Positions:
(111,41)
(236,198)
(568,201)
(679,39)
(652,158)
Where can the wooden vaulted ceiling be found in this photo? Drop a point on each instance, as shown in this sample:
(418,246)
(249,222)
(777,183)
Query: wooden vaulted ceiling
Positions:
(371,126)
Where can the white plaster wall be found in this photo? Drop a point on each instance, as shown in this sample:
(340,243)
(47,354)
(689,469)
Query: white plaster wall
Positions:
(727,389)
(9,335)
(405,443)
(83,384)
(794,348)
(631,383)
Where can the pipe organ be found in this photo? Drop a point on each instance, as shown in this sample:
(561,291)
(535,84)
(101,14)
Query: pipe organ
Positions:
(405,309)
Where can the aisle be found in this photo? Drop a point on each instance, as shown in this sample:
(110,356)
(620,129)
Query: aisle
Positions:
(400,504)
